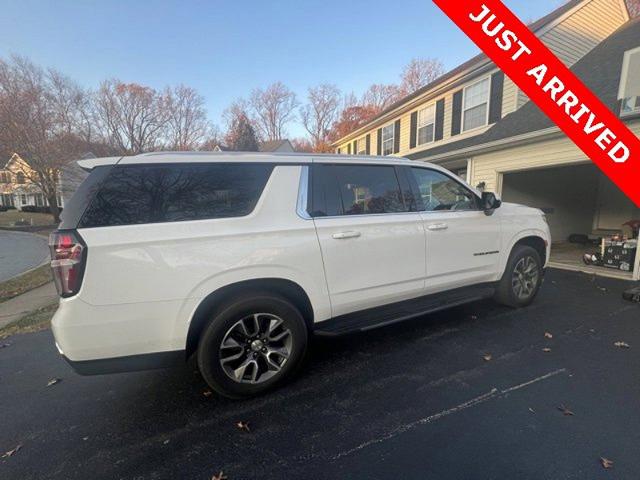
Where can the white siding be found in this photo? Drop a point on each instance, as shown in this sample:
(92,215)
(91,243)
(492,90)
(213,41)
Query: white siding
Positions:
(488,167)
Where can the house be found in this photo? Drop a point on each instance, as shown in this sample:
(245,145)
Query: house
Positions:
(270,146)
(16,188)
(476,122)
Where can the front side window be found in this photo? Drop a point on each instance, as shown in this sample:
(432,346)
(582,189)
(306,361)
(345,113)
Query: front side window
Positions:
(426,124)
(441,192)
(387,139)
(138,194)
(629,90)
(476,105)
(362,146)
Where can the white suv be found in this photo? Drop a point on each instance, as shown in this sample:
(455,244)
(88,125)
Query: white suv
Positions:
(239,258)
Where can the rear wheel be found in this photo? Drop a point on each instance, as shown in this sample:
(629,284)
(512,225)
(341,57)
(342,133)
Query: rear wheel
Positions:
(521,279)
(252,345)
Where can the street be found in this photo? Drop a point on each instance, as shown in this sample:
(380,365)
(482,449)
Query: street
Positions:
(465,393)
(20,252)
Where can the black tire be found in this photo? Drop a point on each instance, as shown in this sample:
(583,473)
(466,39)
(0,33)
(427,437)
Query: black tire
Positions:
(225,326)
(509,291)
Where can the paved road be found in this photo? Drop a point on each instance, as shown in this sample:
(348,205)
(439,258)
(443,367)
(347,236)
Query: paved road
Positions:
(411,401)
(20,252)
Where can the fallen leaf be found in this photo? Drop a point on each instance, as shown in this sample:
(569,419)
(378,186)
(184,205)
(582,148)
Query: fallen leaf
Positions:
(207,393)
(606,463)
(219,476)
(487,357)
(474,317)
(565,411)
(10,453)
(166,442)
(243,426)
(53,381)
(546,349)
(532,410)
(622,345)
(548,335)
(5,345)
(85,438)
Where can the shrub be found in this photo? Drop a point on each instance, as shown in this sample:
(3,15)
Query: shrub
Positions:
(34,209)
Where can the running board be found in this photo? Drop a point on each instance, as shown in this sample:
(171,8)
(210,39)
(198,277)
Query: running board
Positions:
(397,312)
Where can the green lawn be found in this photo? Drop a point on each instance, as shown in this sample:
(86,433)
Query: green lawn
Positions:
(30,280)
(8,218)
(33,322)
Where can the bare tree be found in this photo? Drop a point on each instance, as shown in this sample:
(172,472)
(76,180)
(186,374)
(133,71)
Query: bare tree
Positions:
(419,72)
(379,96)
(213,139)
(319,113)
(634,8)
(131,116)
(187,125)
(40,120)
(273,108)
(303,145)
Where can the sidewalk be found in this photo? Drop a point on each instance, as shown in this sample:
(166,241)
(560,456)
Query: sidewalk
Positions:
(19,306)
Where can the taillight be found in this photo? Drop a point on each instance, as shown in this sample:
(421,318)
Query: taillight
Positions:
(68,254)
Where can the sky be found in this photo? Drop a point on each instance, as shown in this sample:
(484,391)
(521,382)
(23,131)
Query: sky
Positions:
(225,49)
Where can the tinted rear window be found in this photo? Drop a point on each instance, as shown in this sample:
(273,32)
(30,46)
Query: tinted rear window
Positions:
(75,207)
(136,194)
(356,190)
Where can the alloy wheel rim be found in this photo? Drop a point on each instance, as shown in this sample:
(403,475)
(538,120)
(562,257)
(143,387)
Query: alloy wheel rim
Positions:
(525,277)
(255,348)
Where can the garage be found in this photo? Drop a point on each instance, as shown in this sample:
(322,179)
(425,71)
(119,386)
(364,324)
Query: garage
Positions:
(581,204)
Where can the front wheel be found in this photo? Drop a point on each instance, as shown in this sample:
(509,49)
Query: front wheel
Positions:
(522,278)
(252,345)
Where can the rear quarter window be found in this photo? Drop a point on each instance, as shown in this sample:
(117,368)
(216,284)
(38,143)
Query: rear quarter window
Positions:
(138,194)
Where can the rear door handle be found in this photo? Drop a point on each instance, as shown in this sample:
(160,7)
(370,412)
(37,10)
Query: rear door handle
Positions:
(343,235)
(437,226)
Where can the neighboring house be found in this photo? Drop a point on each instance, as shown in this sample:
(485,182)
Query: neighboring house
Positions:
(474,121)
(16,190)
(270,146)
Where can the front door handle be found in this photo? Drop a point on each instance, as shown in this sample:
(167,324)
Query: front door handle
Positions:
(437,226)
(343,235)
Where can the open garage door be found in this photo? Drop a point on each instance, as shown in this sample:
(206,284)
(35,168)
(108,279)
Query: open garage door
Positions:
(578,199)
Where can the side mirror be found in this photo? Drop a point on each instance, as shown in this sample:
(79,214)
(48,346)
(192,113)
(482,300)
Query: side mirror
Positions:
(490,202)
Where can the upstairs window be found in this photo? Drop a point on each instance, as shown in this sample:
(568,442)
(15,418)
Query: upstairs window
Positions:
(361,146)
(5,177)
(387,139)
(426,124)
(475,110)
(20,178)
(629,91)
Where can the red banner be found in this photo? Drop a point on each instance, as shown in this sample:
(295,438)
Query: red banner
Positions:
(553,87)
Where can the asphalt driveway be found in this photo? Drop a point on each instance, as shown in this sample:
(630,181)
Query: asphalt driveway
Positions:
(467,393)
(20,252)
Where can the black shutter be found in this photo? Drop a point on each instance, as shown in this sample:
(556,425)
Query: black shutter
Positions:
(348,149)
(355,147)
(456,115)
(414,130)
(368,144)
(379,141)
(396,136)
(495,99)
(439,128)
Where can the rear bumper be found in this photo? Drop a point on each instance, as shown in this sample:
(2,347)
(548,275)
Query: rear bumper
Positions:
(130,363)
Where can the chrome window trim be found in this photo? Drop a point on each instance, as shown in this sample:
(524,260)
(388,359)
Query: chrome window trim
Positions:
(303,194)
